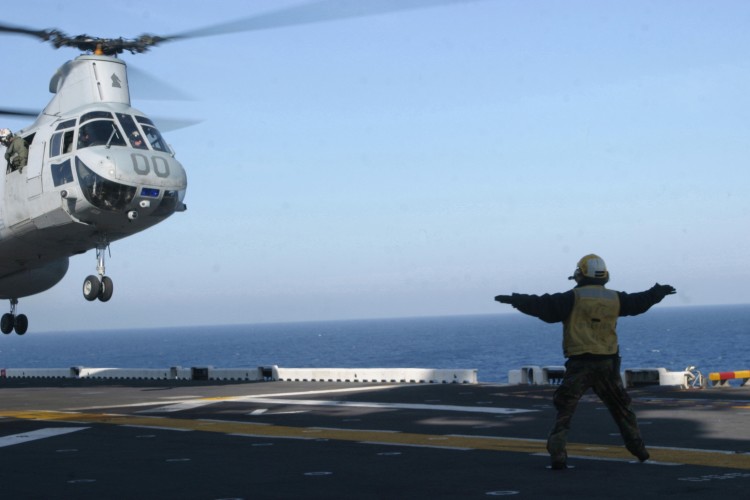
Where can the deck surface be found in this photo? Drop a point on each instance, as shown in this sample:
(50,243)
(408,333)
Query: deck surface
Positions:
(208,440)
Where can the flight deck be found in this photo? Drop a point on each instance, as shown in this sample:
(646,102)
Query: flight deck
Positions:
(81,438)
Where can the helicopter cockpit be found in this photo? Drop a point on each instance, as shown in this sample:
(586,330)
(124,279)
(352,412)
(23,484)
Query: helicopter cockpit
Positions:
(98,129)
(130,139)
(153,136)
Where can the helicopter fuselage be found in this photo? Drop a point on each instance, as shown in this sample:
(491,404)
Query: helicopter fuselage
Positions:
(98,170)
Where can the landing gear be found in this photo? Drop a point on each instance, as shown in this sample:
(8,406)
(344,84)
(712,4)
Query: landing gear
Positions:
(98,287)
(94,288)
(10,321)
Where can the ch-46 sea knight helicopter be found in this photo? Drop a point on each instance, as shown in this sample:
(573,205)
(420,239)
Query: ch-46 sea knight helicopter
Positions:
(98,169)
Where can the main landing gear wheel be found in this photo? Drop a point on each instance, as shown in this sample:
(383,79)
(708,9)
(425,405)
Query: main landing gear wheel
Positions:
(98,287)
(10,321)
(6,323)
(93,288)
(107,289)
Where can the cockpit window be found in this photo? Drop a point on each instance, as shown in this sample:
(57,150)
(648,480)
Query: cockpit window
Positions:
(99,133)
(131,131)
(95,114)
(66,124)
(152,134)
(61,143)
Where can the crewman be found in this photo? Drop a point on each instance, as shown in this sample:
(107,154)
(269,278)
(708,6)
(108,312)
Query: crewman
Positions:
(16,152)
(137,140)
(589,315)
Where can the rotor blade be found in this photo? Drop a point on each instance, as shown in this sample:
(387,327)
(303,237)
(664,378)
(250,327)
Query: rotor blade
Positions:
(147,87)
(314,12)
(172,124)
(18,112)
(7,28)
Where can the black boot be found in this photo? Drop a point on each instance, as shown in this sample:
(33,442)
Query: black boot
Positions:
(638,449)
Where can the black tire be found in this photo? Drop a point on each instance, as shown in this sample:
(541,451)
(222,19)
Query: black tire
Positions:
(107,289)
(91,287)
(6,323)
(21,324)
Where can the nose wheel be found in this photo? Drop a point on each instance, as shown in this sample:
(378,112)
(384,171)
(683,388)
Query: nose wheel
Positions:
(98,287)
(10,321)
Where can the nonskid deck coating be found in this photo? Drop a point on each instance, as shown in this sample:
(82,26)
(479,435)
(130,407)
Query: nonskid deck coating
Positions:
(164,439)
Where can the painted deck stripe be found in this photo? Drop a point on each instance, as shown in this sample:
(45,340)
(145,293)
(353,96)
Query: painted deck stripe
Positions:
(37,434)
(178,406)
(275,399)
(708,458)
(201,401)
(387,406)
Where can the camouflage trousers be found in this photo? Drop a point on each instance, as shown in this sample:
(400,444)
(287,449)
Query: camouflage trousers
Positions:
(603,376)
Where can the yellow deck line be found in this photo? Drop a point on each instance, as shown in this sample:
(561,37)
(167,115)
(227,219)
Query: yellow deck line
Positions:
(516,445)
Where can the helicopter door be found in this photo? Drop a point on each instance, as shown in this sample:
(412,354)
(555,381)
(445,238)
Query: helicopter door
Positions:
(21,186)
(16,209)
(34,168)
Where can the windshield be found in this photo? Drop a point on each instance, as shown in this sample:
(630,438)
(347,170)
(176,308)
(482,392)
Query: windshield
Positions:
(99,133)
(131,131)
(153,136)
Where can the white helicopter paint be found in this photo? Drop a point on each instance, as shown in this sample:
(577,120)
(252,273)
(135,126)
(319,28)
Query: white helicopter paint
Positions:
(76,194)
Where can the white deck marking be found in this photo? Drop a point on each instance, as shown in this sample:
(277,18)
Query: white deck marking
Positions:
(387,406)
(38,434)
(188,405)
(179,406)
(211,400)
(632,460)
(277,399)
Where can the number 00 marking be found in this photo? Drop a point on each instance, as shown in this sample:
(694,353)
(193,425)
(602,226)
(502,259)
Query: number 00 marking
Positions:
(142,165)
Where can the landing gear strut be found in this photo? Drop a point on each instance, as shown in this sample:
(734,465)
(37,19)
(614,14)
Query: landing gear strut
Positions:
(10,321)
(98,287)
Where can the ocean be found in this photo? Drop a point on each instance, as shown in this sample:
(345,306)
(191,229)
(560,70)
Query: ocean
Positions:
(711,338)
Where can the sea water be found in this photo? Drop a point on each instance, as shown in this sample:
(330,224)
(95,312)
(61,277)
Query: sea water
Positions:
(711,338)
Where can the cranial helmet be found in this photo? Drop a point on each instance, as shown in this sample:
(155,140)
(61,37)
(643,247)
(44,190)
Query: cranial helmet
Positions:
(591,266)
(5,135)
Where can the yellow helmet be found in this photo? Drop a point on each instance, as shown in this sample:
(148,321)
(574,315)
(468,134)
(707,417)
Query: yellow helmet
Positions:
(591,266)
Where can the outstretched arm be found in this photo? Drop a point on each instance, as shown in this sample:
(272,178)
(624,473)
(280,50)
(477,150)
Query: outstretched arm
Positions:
(551,308)
(632,304)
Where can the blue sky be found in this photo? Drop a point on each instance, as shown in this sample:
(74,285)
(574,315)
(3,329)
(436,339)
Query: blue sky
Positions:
(420,162)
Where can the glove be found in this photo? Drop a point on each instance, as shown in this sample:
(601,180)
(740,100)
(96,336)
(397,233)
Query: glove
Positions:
(504,299)
(665,289)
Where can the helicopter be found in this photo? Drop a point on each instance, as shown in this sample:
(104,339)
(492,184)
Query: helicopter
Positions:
(99,170)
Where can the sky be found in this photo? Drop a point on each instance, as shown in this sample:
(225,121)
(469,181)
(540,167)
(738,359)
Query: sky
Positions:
(418,162)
